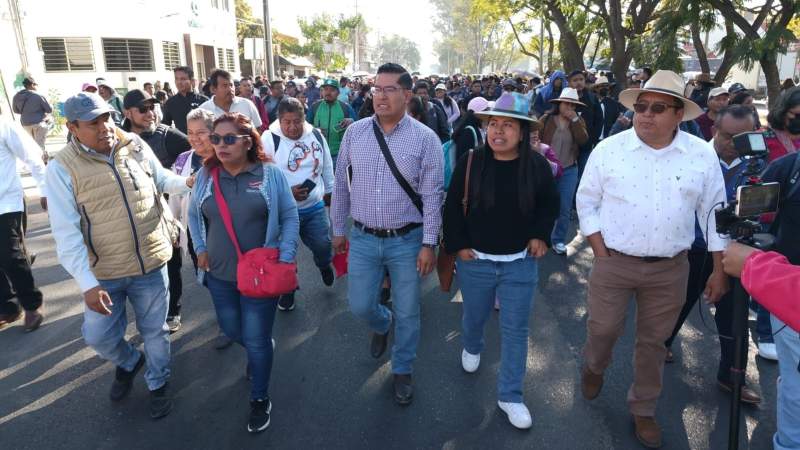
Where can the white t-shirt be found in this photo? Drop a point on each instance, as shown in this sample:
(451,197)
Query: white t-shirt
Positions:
(239,105)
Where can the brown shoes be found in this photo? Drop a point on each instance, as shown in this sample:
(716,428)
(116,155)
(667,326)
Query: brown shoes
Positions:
(6,319)
(591,383)
(749,396)
(647,431)
(33,319)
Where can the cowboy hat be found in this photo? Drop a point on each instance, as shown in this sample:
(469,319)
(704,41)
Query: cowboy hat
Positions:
(601,81)
(510,104)
(664,82)
(704,78)
(568,95)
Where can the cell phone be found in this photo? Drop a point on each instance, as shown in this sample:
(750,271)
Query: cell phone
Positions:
(757,199)
(308,184)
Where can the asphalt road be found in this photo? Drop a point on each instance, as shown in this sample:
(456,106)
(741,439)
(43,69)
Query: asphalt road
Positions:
(328,393)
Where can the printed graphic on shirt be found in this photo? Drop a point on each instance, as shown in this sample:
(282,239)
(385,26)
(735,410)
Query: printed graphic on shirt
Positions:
(254,187)
(300,152)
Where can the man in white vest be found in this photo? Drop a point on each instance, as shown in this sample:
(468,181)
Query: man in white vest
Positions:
(114,235)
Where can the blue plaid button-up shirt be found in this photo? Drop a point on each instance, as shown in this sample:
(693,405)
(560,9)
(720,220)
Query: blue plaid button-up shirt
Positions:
(374,197)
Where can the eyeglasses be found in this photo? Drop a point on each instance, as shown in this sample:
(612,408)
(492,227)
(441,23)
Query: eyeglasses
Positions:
(656,108)
(143,109)
(388,90)
(228,139)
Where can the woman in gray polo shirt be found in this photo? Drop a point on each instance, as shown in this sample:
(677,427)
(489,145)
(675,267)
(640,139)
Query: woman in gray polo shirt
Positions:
(264,214)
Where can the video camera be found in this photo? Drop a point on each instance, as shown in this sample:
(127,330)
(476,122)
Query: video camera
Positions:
(739,219)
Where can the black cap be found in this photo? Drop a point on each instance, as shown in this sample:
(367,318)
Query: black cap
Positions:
(135,97)
(736,88)
(28,81)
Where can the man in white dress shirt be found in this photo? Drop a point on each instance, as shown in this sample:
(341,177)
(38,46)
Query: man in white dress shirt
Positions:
(637,202)
(224,99)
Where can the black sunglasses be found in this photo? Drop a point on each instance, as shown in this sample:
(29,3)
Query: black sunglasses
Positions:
(146,107)
(656,108)
(228,139)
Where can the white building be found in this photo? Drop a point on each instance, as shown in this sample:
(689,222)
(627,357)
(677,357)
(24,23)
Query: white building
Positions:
(64,43)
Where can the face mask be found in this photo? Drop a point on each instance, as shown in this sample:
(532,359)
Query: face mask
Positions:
(603,92)
(793,126)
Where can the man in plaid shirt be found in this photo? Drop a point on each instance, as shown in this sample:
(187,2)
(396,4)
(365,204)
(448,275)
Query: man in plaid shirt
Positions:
(389,230)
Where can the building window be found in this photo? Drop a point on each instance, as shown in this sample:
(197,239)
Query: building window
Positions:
(67,54)
(225,5)
(221,58)
(215,4)
(172,57)
(229,57)
(128,55)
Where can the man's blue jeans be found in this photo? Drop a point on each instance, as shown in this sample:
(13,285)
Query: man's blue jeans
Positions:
(566,190)
(514,284)
(248,322)
(315,233)
(787,342)
(763,324)
(369,258)
(149,296)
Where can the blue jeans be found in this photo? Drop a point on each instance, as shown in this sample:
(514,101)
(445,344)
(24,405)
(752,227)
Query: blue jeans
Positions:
(514,284)
(566,190)
(369,258)
(149,297)
(248,322)
(787,342)
(763,325)
(315,233)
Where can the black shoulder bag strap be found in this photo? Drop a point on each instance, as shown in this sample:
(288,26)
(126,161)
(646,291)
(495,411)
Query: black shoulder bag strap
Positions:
(387,155)
(794,178)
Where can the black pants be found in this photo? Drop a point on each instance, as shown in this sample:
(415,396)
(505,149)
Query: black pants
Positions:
(16,278)
(723,315)
(175,282)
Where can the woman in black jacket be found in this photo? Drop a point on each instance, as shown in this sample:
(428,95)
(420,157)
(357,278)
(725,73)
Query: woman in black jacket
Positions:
(512,205)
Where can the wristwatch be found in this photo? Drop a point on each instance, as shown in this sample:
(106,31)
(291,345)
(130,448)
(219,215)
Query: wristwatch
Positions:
(430,246)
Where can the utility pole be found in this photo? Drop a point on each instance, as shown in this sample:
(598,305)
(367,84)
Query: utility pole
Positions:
(270,60)
(355,43)
(541,46)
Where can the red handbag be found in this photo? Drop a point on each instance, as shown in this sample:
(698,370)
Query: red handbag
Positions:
(259,273)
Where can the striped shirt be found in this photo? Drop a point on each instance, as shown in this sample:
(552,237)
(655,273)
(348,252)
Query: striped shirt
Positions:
(374,197)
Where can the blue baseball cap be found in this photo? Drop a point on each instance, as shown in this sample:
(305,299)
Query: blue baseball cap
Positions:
(85,107)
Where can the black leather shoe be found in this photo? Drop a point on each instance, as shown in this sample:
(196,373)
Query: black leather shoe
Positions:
(403,389)
(123,380)
(328,276)
(378,344)
(160,402)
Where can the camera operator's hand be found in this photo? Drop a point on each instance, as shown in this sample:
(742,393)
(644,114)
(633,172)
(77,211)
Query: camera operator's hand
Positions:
(734,257)
(716,286)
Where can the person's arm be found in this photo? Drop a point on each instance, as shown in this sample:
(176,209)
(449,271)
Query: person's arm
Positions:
(166,180)
(579,131)
(327,167)
(65,223)
(351,113)
(26,150)
(176,143)
(713,196)
(455,115)
(287,216)
(587,202)
(254,115)
(167,119)
(548,203)
(340,203)
(194,212)
(45,105)
(431,184)
(770,278)
(455,234)
(16,104)
(441,121)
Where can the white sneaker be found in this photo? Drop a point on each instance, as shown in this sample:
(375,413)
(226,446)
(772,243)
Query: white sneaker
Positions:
(469,361)
(518,414)
(560,249)
(767,350)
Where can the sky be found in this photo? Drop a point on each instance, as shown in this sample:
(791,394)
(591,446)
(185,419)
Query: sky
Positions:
(412,19)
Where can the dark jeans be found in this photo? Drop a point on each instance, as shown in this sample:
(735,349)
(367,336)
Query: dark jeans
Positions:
(248,322)
(16,278)
(723,314)
(175,282)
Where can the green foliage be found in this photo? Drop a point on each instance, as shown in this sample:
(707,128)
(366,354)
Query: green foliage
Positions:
(324,33)
(400,50)
(59,121)
(247,25)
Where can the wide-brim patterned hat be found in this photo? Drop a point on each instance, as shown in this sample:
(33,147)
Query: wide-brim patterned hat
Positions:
(510,104)
(664,82)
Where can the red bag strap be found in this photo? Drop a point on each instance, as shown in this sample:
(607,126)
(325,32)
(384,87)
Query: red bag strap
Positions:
(224,212)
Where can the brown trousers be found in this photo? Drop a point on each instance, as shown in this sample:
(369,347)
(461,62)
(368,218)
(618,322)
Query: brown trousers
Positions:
(660,291)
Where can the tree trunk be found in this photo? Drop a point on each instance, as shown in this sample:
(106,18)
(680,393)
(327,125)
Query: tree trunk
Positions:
(571,53)
(769,64)
(549,50)
(699,48)
(596,49)
(728,61)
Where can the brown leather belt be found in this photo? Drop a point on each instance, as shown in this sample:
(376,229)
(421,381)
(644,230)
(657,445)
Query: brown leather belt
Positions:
(647,259)
(387,233)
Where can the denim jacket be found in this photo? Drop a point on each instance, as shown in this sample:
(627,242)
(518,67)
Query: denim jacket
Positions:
(283,223)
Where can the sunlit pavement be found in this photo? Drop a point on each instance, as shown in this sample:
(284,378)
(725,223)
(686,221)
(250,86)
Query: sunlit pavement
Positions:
(327,392)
